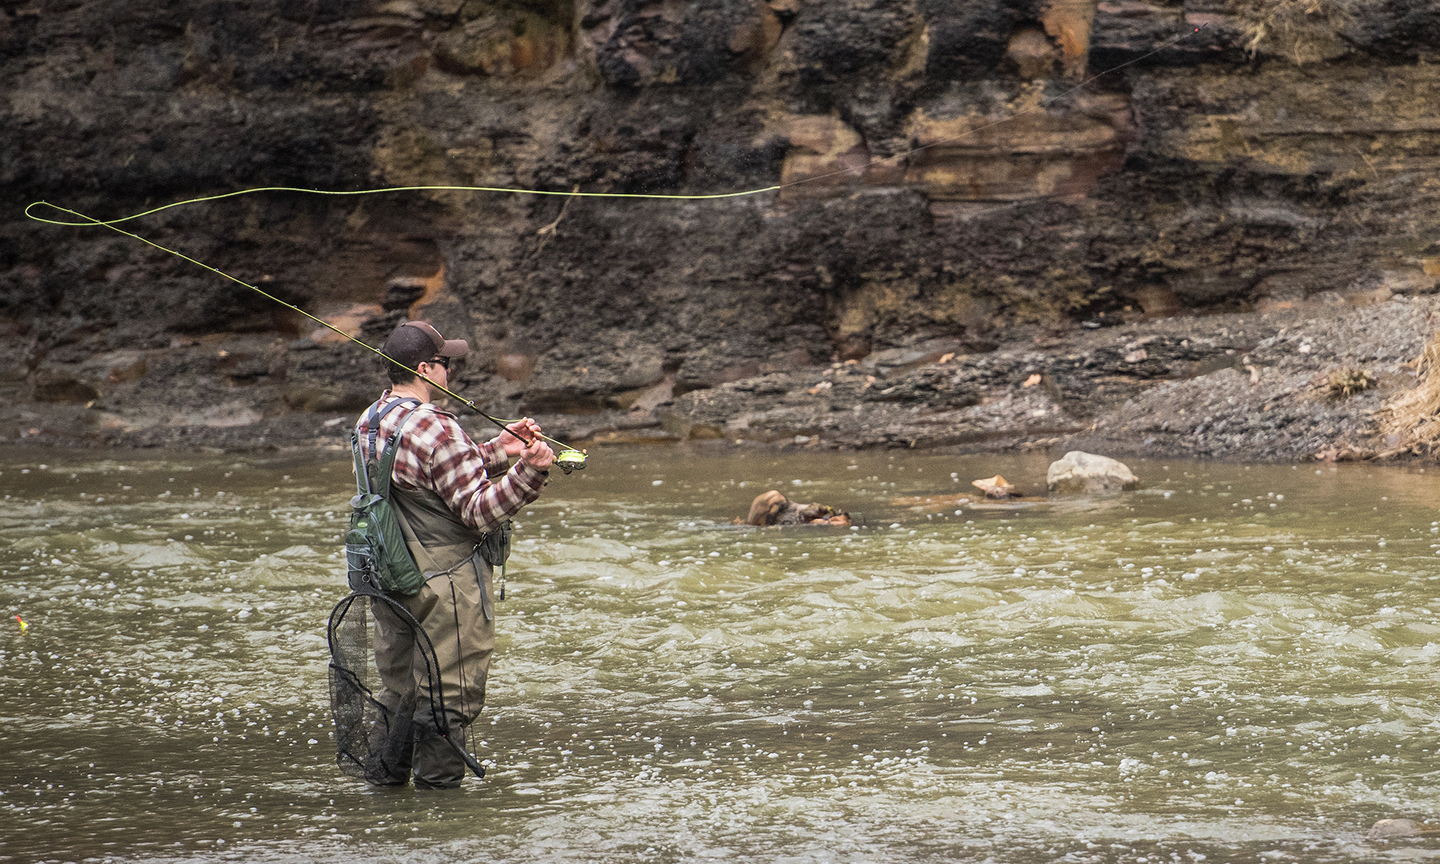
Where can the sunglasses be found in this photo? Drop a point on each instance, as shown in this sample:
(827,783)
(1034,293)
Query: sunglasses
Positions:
(439,361)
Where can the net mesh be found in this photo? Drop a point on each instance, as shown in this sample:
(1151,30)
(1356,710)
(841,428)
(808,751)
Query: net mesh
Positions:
(374,740)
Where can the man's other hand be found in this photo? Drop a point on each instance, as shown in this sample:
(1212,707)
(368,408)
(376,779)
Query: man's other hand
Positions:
(516,434)
(538,455)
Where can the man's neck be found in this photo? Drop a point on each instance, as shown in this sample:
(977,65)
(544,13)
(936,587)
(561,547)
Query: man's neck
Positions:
(416,390)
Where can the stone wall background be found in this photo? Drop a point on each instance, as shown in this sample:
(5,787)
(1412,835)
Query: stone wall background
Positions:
(1287,151)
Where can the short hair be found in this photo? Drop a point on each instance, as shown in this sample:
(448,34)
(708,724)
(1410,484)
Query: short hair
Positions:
(400,374)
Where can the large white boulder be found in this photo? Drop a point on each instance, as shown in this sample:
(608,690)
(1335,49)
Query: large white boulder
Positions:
(1080,473)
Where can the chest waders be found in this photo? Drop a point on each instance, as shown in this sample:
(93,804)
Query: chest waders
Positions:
(373,735)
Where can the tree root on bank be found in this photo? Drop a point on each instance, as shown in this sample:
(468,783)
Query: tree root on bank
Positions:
(1411,420)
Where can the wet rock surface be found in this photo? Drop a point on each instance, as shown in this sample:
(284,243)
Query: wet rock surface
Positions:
(1080,473)
(773,508)
(1249,386)
(1401,829)
(1134,265)
(1242,386)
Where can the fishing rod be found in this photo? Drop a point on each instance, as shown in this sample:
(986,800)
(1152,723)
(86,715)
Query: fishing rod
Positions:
(568,458)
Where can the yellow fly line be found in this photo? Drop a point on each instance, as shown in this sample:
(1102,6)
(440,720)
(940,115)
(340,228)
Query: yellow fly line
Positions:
(88,221)
(508,190)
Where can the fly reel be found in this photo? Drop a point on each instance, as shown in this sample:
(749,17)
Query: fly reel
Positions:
(570,460)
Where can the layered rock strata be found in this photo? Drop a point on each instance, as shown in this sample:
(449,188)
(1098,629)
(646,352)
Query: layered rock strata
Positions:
(979,173)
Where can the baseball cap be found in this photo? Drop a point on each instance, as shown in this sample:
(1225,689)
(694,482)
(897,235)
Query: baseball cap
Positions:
(414,342)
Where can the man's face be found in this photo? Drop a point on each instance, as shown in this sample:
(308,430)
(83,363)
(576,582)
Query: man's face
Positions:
(437,369)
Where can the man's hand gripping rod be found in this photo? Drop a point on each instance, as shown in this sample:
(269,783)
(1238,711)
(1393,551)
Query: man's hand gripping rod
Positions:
(568,458)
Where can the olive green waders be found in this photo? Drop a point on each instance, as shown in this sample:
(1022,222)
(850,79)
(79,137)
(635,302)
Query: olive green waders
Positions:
(456,608)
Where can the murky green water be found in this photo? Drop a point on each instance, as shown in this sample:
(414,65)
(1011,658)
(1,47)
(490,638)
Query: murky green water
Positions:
(1231,665)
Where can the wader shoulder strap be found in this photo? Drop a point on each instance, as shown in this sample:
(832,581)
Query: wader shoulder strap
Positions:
(377,413)
(362,476)
(387,462)
(372,421)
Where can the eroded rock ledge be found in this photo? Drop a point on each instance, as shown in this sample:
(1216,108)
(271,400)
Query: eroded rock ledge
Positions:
(1246,386)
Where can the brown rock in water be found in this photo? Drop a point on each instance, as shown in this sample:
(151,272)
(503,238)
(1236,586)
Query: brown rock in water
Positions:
(765,508)
(773,508)
(995,487)
(1400,829)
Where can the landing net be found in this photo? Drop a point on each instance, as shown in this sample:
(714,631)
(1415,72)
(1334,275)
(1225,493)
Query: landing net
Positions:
(376,731)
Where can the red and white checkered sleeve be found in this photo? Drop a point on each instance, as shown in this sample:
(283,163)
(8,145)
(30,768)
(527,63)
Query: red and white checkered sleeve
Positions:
(455,468)
(496,462)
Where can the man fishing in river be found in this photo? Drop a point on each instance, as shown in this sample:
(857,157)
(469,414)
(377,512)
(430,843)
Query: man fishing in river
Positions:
(450,492)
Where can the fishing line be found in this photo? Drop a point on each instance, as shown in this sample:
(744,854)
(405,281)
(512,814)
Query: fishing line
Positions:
(512,190)
(569,458)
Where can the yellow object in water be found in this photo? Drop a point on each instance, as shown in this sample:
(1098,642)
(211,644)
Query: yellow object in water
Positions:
(23,625)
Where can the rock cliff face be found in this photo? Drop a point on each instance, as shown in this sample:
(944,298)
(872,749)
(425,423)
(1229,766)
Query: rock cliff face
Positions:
(968,172)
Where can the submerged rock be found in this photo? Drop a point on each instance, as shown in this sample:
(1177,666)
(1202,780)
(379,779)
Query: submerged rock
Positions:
(773,508)
(1400,829)
(1080,473)
(995,487)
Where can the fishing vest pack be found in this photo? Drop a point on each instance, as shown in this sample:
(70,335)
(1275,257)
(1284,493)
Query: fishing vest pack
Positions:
(375,552)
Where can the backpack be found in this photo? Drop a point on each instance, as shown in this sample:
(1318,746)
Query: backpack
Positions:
(376,556)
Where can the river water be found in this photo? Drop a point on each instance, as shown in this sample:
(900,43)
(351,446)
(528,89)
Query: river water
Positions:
(1233,664)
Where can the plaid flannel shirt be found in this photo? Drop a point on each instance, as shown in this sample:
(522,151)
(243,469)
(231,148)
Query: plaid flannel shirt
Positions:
(475,480)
